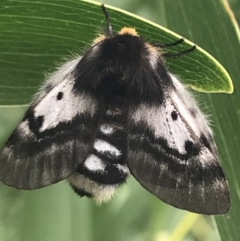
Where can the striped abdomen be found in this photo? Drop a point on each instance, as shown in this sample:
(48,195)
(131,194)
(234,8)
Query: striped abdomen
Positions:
(104,170)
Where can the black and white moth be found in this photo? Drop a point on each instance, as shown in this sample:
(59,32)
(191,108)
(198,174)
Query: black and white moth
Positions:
(118,110)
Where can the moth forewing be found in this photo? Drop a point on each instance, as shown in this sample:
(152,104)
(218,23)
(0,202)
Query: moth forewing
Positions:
(172,140)
(54,136)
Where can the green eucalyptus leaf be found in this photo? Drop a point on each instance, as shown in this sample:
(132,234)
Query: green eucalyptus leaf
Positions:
(35,35)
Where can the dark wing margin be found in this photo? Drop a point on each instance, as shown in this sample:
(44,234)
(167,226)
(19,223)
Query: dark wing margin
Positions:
(169,158)
(54,136)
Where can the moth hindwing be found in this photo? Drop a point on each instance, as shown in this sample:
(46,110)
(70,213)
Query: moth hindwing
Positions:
(118,110)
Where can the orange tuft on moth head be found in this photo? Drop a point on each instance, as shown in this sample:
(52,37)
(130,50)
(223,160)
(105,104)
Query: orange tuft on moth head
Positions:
(129,31)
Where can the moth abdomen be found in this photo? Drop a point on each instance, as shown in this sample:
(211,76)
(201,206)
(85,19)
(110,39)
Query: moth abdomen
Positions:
(105,166)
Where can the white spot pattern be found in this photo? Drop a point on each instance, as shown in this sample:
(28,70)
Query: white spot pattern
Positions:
(103,146)
(106,129)
(93,163)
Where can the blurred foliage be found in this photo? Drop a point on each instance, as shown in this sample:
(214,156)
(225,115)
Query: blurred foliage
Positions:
(56,213)
(235,5)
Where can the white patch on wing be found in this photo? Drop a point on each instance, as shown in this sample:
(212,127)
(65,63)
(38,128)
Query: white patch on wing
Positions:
(23,129)
(101,193)
(206,157)
(184,103)
(184,128)
(158,118)
(93,163)
(106,129)
(46,104)
(63,72)
(219,184)
(65,109)
(103,146)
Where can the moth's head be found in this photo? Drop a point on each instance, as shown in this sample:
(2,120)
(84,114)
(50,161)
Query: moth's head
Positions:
(124,31)
(125,53)
(117,49)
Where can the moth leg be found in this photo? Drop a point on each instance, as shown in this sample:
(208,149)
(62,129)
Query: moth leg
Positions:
(169,44)
(177,55)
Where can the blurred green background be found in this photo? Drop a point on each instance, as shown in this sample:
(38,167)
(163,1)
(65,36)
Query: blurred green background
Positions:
(56,213)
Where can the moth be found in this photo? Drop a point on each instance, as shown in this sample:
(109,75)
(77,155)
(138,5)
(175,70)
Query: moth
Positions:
(116,111)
